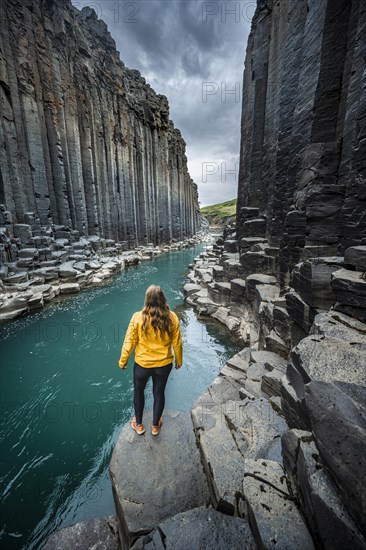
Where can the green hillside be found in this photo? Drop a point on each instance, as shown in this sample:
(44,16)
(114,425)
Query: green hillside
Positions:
(218,214)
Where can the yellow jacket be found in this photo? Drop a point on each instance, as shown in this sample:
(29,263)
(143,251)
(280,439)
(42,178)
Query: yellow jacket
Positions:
(151,350)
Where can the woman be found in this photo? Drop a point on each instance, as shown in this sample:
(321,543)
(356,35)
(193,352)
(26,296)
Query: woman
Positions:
(153,330)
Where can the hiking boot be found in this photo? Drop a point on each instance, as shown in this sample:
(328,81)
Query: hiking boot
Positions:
(139,428)
(155,430)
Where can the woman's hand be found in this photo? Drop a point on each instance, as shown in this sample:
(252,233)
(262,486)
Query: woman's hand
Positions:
(125,367)
(178,366)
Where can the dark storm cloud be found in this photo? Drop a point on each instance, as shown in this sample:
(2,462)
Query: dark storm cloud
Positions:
(192,52)
(191,21)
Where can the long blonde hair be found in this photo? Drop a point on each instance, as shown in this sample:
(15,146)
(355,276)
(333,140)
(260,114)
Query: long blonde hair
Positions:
(157,310)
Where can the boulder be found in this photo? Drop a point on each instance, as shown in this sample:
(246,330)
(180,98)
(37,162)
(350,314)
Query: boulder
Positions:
(23,231)
(191,288)
(60,255)
(320,357)
(221,314)
(349,288)
(18,277)
(100,533)
(219,293)
(13,314)
(48,273)
(222,389)
(231,432)
(339,427)
(69,288)
(240,361)
(66,270)
(28,253)
(237,290)
(231,245)
(217,446)
(312,281)
(275,344)
(25,263)
(232,269)
(36,301)
(263,293)
(281,324)
(232,323)
(16,302)
(255,227)
(247,243)
(272,383)
(257,262)
(47,291)
(205,306)
(355,257)
(273,515)
(293,407)
(319,497)
(269,360)
(218,272)
(174,484)
(300,312)
(93,264)
(198,528)
(255,279)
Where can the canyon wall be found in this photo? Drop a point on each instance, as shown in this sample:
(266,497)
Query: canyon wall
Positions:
(303,132)
(85,142)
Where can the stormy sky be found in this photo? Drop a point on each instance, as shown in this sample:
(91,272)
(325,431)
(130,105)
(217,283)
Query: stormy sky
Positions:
(193,52)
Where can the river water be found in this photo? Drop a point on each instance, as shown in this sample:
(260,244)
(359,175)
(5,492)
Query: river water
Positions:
(64,399)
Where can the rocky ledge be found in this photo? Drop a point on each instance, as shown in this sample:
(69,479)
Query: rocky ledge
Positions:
(288,411)
(39,263)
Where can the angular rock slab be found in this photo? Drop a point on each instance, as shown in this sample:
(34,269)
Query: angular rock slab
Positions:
(294,409)
(339,427)
(273,516)
(230,432)
(356,257)
(349,287)
(98,534)
(223,462)
(200,528)
(154,478)
(312,281)
(319,497)
(329,359)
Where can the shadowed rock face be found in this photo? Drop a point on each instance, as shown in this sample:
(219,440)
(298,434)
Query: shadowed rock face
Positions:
(303,147)
(85,142)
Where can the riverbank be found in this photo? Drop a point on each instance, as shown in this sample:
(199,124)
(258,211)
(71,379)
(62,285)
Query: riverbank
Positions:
(297,395)
(60,262)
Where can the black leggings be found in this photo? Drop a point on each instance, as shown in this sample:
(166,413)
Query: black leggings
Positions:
(140,378)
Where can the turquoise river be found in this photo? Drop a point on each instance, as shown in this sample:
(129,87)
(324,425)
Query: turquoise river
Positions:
(64,399)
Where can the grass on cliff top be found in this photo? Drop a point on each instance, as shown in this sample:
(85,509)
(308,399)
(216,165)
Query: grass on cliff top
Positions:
(216,213)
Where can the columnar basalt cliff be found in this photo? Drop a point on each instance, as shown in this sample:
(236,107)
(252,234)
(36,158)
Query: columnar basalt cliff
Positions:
(85,142)
(303,147)
(91,166)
